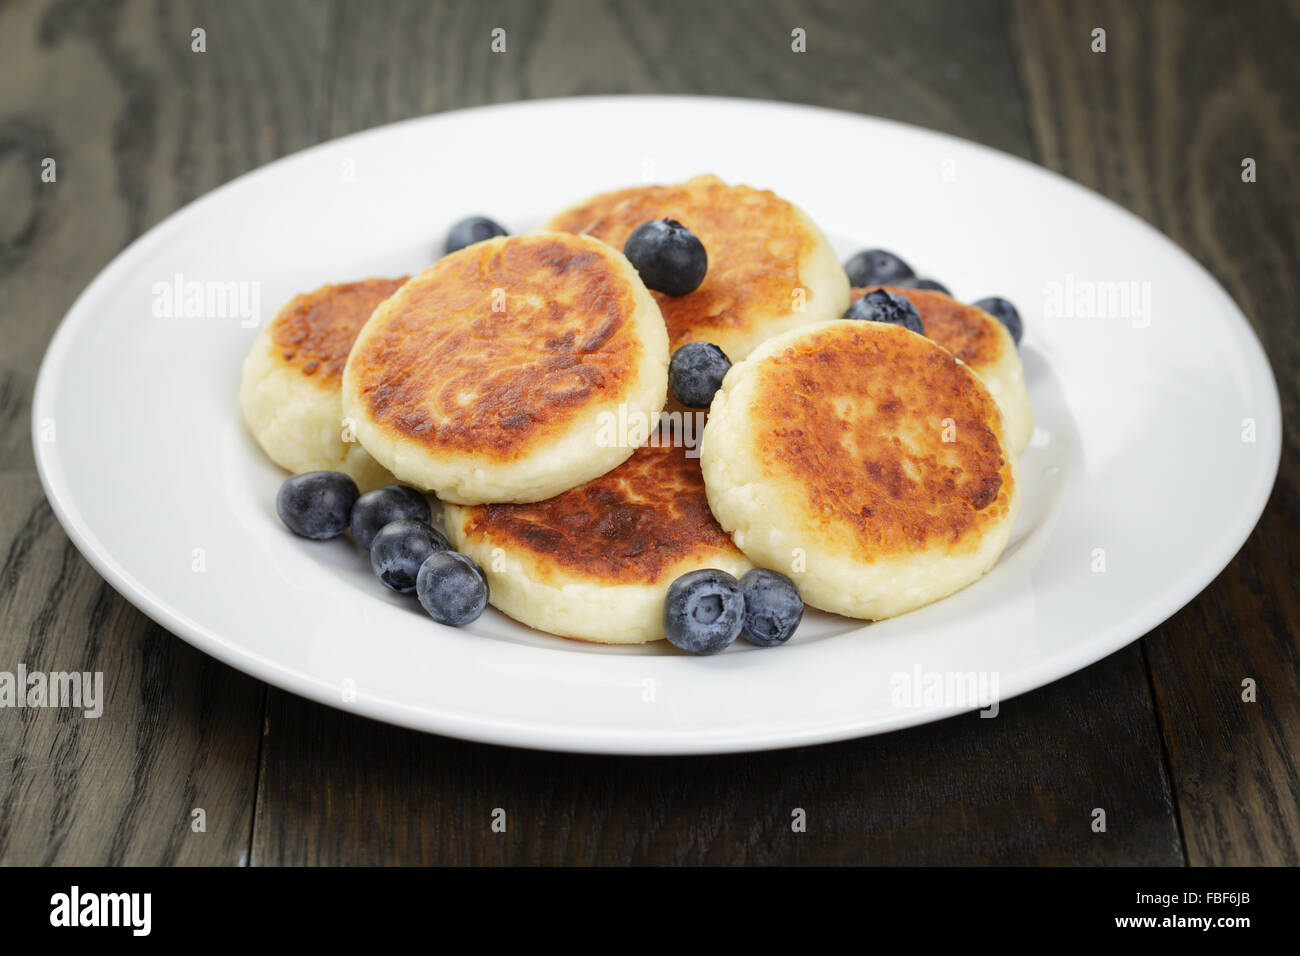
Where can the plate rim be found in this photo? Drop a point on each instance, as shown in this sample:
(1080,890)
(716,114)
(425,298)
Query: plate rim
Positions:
(592,738)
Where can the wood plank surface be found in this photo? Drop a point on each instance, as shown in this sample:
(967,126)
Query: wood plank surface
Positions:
(1020,788)
(1161,123)
(138,125)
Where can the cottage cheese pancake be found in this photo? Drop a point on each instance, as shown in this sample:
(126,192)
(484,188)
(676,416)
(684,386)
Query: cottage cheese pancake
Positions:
(983,343)
(490,376)
(290,392)
(770,267)
(595,562)
(864,461)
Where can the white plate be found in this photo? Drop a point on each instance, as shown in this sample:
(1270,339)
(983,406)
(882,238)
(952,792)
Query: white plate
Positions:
(1141,447)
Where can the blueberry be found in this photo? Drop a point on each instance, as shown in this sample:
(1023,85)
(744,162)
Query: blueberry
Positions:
(929,284)
(452,588)
(316,504)
(668,256)
(881,306)
(773,607)
(1004,312)
(399,549)
(876,267)
(704,611)
(377,508)
(472,230)
(695,372)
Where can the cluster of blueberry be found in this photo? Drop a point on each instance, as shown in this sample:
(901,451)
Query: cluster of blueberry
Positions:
(672,260)
(393,525)
(707,610)
(704,613)
(878,267)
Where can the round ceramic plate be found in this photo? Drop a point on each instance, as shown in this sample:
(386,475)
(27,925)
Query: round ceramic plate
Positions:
(1158,435)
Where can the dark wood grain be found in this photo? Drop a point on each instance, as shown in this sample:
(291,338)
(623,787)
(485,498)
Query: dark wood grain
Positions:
(1161,123)
(1018,788)
(943,65)
(138,125)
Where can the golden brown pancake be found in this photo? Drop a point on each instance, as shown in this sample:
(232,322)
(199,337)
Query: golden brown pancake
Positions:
(761,248)
(886,480)
(595,562)
(633,525)
(962,329)
(314,332)
(867,455)
(290,393)
(983,343)
(483,377)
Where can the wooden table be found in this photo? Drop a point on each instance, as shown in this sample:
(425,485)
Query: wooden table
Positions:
(1156,734)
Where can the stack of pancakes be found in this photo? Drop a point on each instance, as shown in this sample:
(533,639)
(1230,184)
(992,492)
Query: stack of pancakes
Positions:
(521,380)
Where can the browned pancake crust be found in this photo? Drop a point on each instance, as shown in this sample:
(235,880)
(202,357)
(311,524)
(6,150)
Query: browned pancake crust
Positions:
(753,239)
(314,332)
(580,218)
(962,329)
(854,414)
(500,382)
(633,525)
